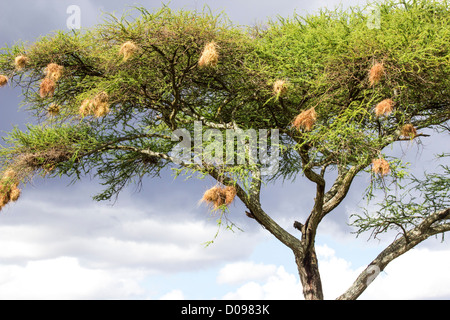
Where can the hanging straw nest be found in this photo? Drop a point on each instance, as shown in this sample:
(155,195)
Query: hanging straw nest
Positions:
(385,107)
(9,190)
(219,196)
(209,57)
(212,196)
(100,104)
(100,98)
(54,71)
(15,194)
(53,110)
(47,88)
(127,50)
(230,194)
(10,175)
(408,131)
(380,166)
(3,80)
(280,88)
(376,73)
(20,62)
(101,111)
(86,108)
(4,199)
(305,120)
(31,162)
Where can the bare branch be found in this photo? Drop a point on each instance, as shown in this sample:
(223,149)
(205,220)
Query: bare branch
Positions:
(408,241)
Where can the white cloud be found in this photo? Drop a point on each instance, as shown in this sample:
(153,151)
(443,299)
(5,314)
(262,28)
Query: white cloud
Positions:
(64,278)
(336,273)
(112,237)
(89,250)
(241,272)
(280,285)
(418,274)
(324,251)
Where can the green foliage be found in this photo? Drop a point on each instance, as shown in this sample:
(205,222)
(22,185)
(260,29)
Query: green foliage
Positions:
(325,59)
(420,197)
(41,149)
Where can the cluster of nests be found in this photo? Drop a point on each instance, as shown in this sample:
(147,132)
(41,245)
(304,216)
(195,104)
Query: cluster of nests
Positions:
(53,72)
(216,196)
(9,188)
(46,160)
(307,118)
(20,62)
(97,106)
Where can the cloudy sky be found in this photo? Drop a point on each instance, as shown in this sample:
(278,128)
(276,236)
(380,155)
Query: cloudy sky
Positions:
(56,243)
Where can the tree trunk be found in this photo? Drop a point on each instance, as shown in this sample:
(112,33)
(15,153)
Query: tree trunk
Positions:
(308,270)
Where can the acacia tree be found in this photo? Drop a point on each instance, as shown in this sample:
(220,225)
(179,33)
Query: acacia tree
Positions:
(114,101)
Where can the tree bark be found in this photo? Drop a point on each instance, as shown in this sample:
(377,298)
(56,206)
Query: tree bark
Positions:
(308,269)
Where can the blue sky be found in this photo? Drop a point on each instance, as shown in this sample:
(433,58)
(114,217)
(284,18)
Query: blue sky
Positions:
(56,243)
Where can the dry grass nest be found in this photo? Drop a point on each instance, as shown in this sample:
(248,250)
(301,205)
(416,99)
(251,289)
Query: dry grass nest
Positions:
(3,80)
(86,108)
(218,196)
(380,166)
(29,162)
(305,120)
(209,56)
(47,88)
(384,108)
(9,188)
(280,88)
(408,131)
(376,73)
(21,62)
(98,106)
(127,50)
(54,71)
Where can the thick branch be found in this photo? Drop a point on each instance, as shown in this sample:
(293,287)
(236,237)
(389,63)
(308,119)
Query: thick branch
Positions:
(311,224)
(252,202)
(340,188)
(408,241)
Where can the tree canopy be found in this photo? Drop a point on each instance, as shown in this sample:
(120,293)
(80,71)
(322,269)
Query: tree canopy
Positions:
(331,93)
